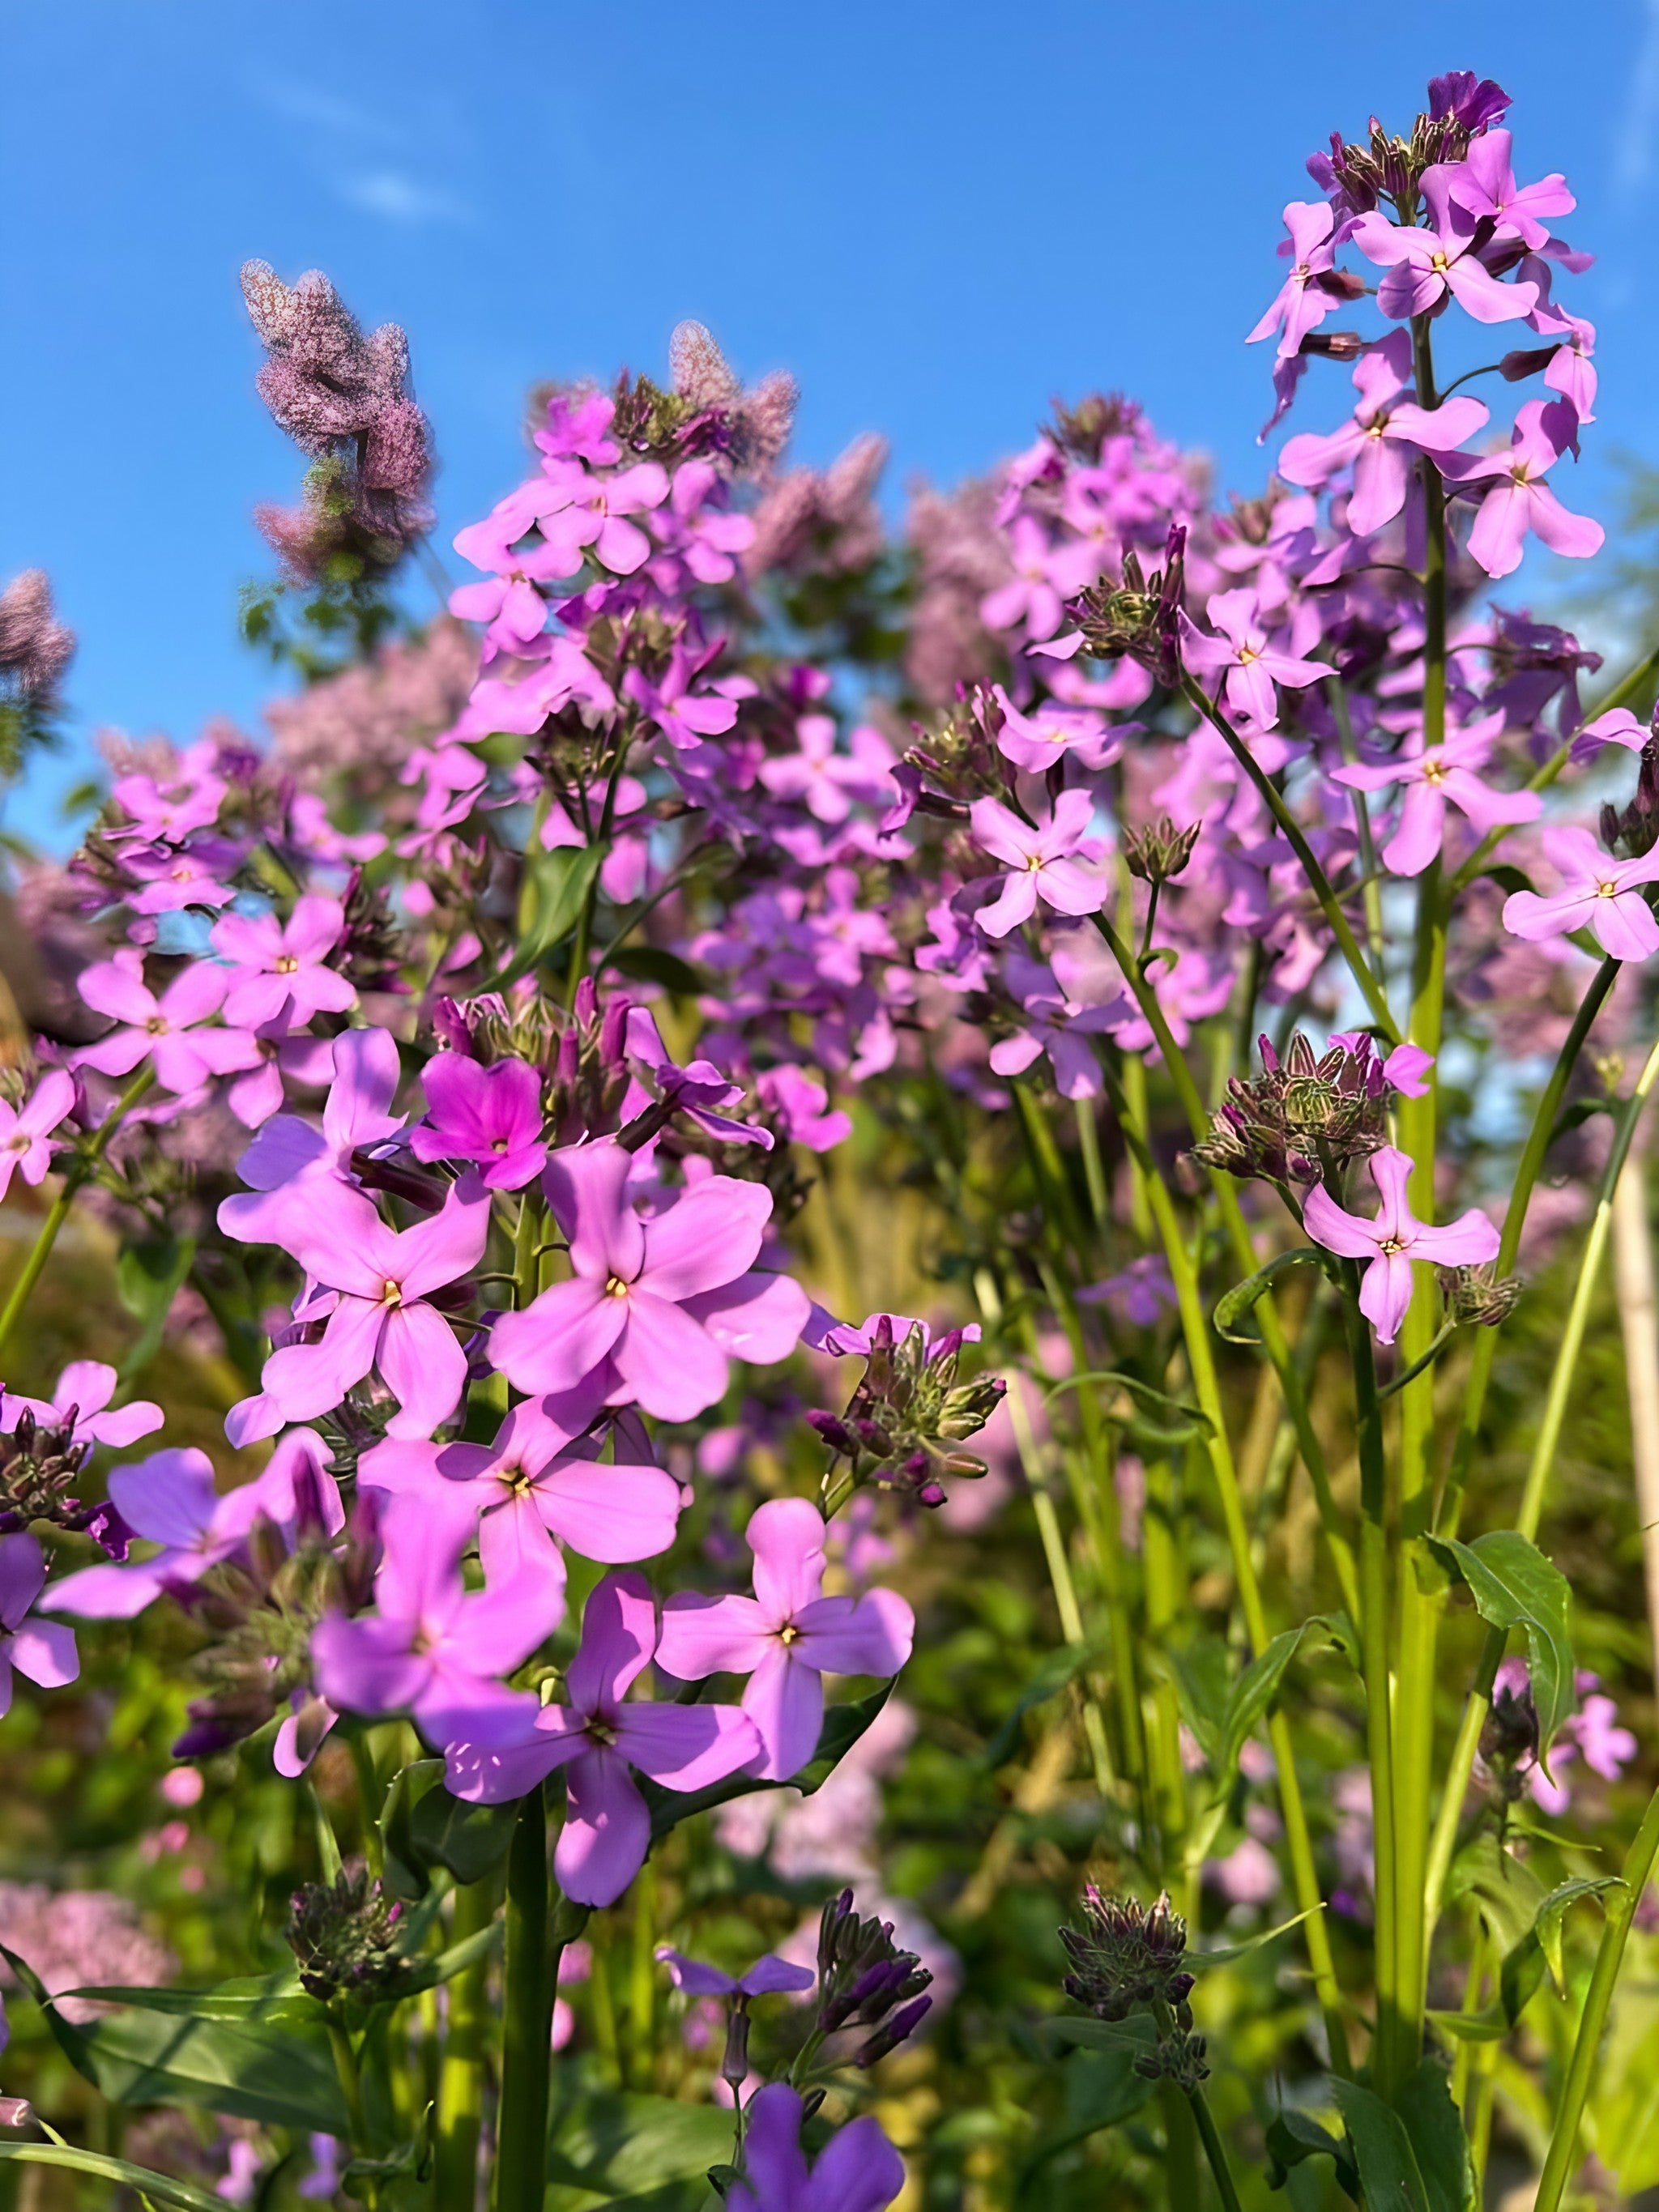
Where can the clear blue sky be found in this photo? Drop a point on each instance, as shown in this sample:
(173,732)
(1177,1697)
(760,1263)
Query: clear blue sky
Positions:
(936,214)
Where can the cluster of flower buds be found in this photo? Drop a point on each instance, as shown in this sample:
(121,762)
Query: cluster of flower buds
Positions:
(1157,853)
(345,1936)
(906,1423)
(1139,616)
(1084,430)
(1301,1117)
(39,1461)
(36,648)
(959,755)
(1632,831)
(1510,1740)
(261,1606)
(865,1980)
(1128,1957)
(1392,168)
(1478,1297)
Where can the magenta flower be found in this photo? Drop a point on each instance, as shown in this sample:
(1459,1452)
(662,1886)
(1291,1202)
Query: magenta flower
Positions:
(1426,265)
(1251,663)
(1045,576)
(787,1636)
(170,1031)
(366,1077)
(857,2170)
(828,782)
(704,537)
(1038,860)
(593,517)
(491,1115)
(539,1481)
(276,964)
(685,717)
(84,1389)
(1519,500)
(1483,185)
(381,1318)
(1443,773)
(1059,1025)
(1597,893)
(1302,303)
(43,1650)
(170,880)
(596,1739)
(660,1304)
(25,1129)
(769,1977)
(801,1103)
(1381,440)
(508,602)
(432,1647)
(1393,1240)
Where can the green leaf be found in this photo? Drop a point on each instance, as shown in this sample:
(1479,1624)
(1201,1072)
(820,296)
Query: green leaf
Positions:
(406,1869)
(842,1727)
(1515,1586)
(468,1841)
(158,2188)
(1202,1671)
(282,2074)
(1390,2178)
(1507,1891)
(1202,1961)
(651,963)
(621,2147)
(1435,2132)
(428,1973)
(268,1997)
(1244,1298)
(1056,1671)
(1292,2137)
(1104,2088)
(1505,876)
(1258,1685)
(1188,1421)
(148,1276)
(1540,1948)
(1136,2034)
(554,891)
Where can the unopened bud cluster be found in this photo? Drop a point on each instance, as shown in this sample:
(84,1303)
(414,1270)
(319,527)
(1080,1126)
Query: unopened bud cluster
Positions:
(345,1936)
(39,1461)
(907,1420)
(866,1980)
(1158,854)
(1139,616)
(1128,1957)
(1477,1295)
(1632,831)
(1301,1117)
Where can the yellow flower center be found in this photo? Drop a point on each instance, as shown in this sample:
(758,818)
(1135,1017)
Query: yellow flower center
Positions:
(286,965)
(391,1294)
(615,1287)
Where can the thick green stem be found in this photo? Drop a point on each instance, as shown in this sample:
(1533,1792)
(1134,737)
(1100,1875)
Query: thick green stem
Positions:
(80,1171)
(461,2077)
(1620,1908)
(527,2019)
(1206,1388)
(1532,1497)
(1214,2150)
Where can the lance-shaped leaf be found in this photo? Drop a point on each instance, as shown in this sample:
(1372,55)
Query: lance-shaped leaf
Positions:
(1515,1586)
(1235,1308)
(1256,1688)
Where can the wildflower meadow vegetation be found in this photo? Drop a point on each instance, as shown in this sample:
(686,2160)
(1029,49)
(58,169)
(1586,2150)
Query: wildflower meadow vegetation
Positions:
(831,1371)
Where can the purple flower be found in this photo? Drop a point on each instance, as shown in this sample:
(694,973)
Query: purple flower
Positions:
(1483,185)
(172,1499)
(1252,664)
(1426,265)
(1442,773)
(278,966)
(857,2170)
(659,1303)
(684,717)
(1393,1240)
(769,1977)
(382,1279)
(1038,859)
(84,1389)
(169,1031)
(801,1103)
(537,1482)
(1382,438)
(596,1739)
(592,516)
(366,1077)
(431,1646)
(1597,893)
(1137,1294)
(828,782)
(1302,303)
(787,1636)
(42,1650)
(1519,500)
(1045,576)
(490,1114)
(24,1129)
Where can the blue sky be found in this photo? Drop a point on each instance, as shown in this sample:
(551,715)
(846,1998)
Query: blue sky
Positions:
(935,214)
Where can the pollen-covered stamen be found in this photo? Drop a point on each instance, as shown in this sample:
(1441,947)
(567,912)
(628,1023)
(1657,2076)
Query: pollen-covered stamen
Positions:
(789,1633)
(615,1287)
(285,964)
(601,1732)
(391,1294)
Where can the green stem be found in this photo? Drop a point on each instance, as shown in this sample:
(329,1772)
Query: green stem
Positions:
(1206,1388)
(460,2077)
(527,2018)
(1214,2150)
(1620,1907)
(1371,891)
(80,1171)
(1318,882)
(1532,1497)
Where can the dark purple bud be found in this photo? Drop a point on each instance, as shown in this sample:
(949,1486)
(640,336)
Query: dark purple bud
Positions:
(904,2022)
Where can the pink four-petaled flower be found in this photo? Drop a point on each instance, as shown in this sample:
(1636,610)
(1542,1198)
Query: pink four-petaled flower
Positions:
(1393,1240)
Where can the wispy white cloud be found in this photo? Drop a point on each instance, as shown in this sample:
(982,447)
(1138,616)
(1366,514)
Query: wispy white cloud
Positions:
(397,196)
(325,111)
(1634,148)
